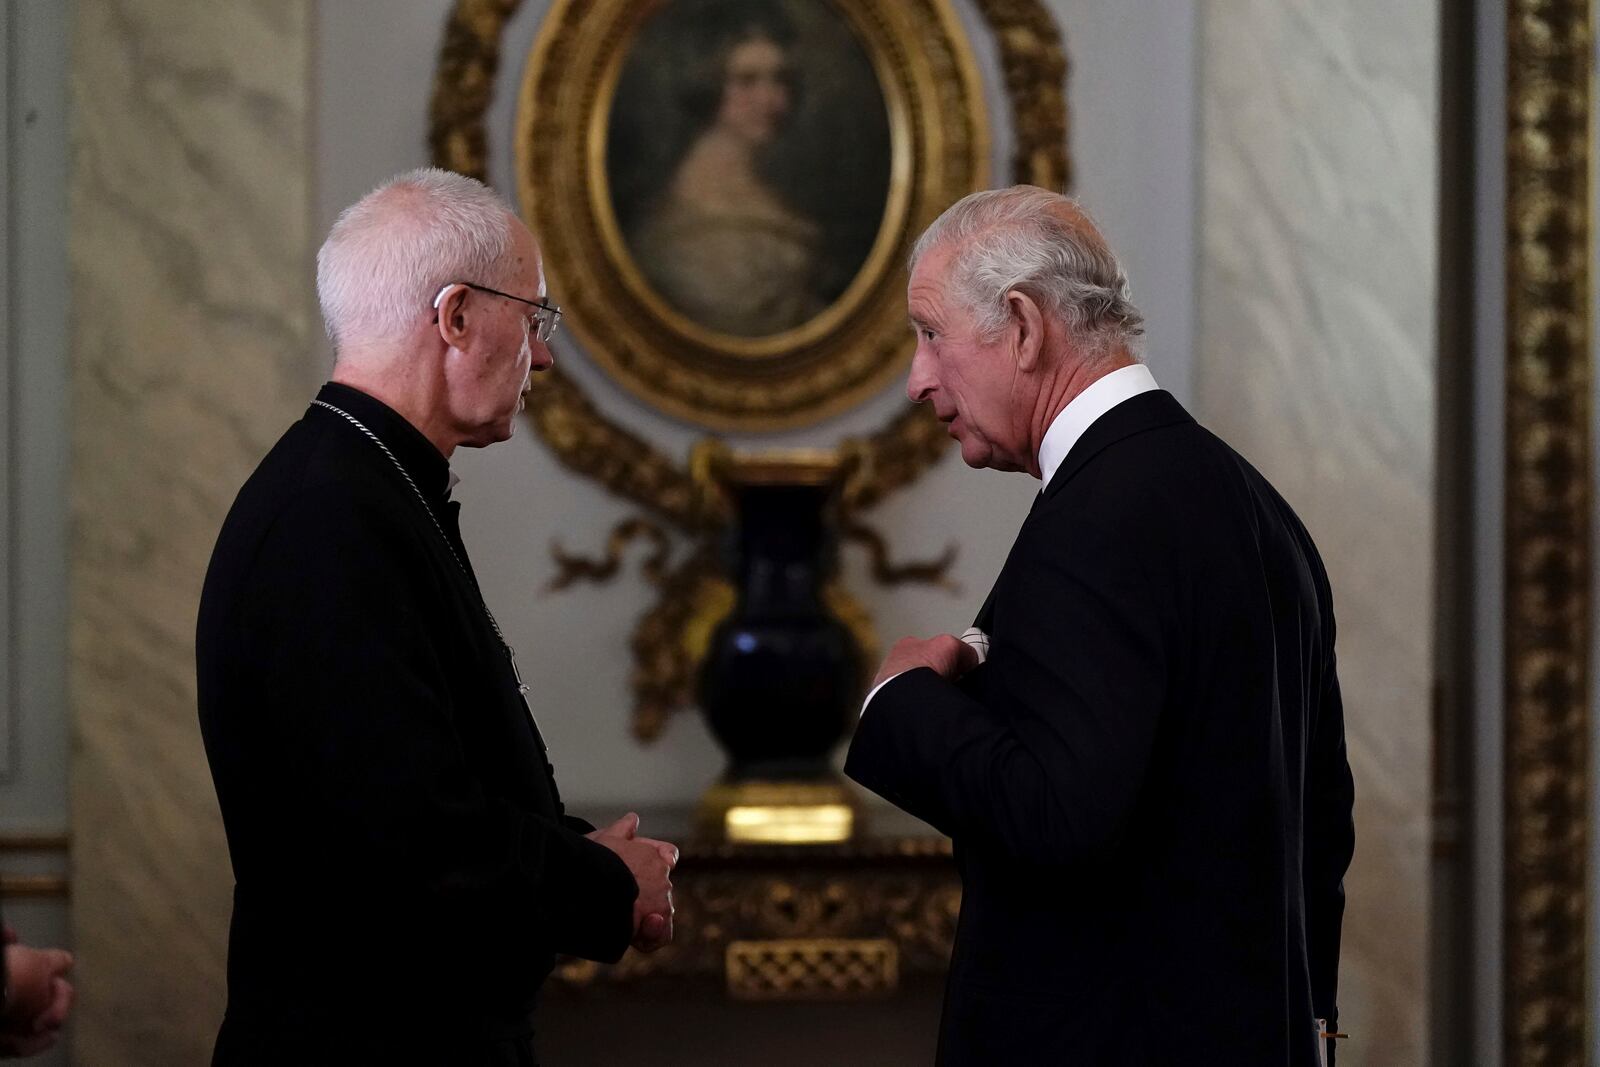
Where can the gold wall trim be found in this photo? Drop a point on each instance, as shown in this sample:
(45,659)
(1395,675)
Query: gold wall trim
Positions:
(1550,146)
(16,886)
(35,842)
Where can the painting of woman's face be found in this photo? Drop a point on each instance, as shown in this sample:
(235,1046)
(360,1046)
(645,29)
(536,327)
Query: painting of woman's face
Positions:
(747,156)
(756,91)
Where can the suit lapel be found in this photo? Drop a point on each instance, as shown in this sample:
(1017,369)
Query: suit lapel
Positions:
(985,612)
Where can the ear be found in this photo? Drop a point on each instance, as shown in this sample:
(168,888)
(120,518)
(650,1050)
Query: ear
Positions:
(450,314)
(1027,330)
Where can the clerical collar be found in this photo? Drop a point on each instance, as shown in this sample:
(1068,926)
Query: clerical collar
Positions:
(416,453)
(1081,412)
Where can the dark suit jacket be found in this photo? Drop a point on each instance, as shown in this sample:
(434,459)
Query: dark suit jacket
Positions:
(404,868)
(1146,782)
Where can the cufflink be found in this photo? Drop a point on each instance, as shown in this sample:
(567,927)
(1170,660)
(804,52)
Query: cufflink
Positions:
(979,642)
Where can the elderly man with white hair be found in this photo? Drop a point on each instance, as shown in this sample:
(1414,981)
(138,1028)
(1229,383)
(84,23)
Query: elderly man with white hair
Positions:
(405,870)
(1139,749)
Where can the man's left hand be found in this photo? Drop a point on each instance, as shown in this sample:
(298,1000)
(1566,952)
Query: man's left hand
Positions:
(947,655)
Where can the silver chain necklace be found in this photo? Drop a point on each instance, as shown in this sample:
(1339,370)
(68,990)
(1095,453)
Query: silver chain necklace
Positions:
(511,653)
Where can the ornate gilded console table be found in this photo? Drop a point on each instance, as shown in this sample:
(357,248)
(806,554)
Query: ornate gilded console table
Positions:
(759,921)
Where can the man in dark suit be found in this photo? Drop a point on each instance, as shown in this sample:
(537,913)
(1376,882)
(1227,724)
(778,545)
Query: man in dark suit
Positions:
(1145,777)
(405,869)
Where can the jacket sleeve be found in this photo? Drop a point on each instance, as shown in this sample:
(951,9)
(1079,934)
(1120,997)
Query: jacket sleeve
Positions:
(1056,778)
(346,626)
(1330,840)
(577,825)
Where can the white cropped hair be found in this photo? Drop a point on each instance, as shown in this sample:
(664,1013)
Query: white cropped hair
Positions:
(1016,240)
(391,252)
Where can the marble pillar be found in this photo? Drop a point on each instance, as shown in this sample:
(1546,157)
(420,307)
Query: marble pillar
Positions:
(193,325)
(1317,290)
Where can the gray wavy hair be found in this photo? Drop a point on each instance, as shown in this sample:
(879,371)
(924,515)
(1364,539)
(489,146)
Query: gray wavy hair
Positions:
(391,251)
(1025,239)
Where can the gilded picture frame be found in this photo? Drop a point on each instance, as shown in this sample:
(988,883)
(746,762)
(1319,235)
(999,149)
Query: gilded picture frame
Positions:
(1033,71)
(702,309)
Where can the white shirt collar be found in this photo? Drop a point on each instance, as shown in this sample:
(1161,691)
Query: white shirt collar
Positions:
(1081,411)
(450,486)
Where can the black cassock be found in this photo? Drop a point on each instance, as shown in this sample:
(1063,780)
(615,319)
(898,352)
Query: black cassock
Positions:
(1146,782)
(405,871)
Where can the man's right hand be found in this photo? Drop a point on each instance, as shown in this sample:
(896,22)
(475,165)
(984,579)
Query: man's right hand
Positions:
(38,998)
(948,656)
(651,864)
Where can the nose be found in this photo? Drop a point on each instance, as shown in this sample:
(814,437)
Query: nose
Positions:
(922,383)
(774,94)
(542,359)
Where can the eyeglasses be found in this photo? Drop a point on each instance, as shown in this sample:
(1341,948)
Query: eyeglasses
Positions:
(542,320)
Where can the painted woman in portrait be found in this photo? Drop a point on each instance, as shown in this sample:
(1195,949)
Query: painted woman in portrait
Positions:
(719,242)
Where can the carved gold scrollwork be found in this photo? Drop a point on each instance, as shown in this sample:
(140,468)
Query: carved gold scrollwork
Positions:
(585,440)
(1031,56)
(905,893)
(1549,485)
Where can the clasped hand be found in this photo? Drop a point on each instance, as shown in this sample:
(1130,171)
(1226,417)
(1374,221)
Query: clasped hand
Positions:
(651,863)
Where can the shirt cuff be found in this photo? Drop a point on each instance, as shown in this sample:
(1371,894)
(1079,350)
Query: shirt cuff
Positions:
(974,637)
(875,689)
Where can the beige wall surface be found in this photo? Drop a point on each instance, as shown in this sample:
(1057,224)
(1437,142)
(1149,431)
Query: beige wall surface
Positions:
(1317,289)
(189,254)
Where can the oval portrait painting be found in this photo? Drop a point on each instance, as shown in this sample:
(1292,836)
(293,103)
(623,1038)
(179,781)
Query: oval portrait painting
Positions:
(748,154)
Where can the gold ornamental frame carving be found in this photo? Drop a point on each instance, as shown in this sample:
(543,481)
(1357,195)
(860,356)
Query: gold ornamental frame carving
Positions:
(939,138)
(1034,66)
(677,494)
(1549,565)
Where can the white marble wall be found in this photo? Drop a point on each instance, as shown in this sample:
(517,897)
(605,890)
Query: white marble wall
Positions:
(1316,360)
(190,253)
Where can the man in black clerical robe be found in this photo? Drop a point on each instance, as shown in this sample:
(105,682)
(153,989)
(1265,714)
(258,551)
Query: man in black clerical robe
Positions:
(1145,778)
(405,870)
